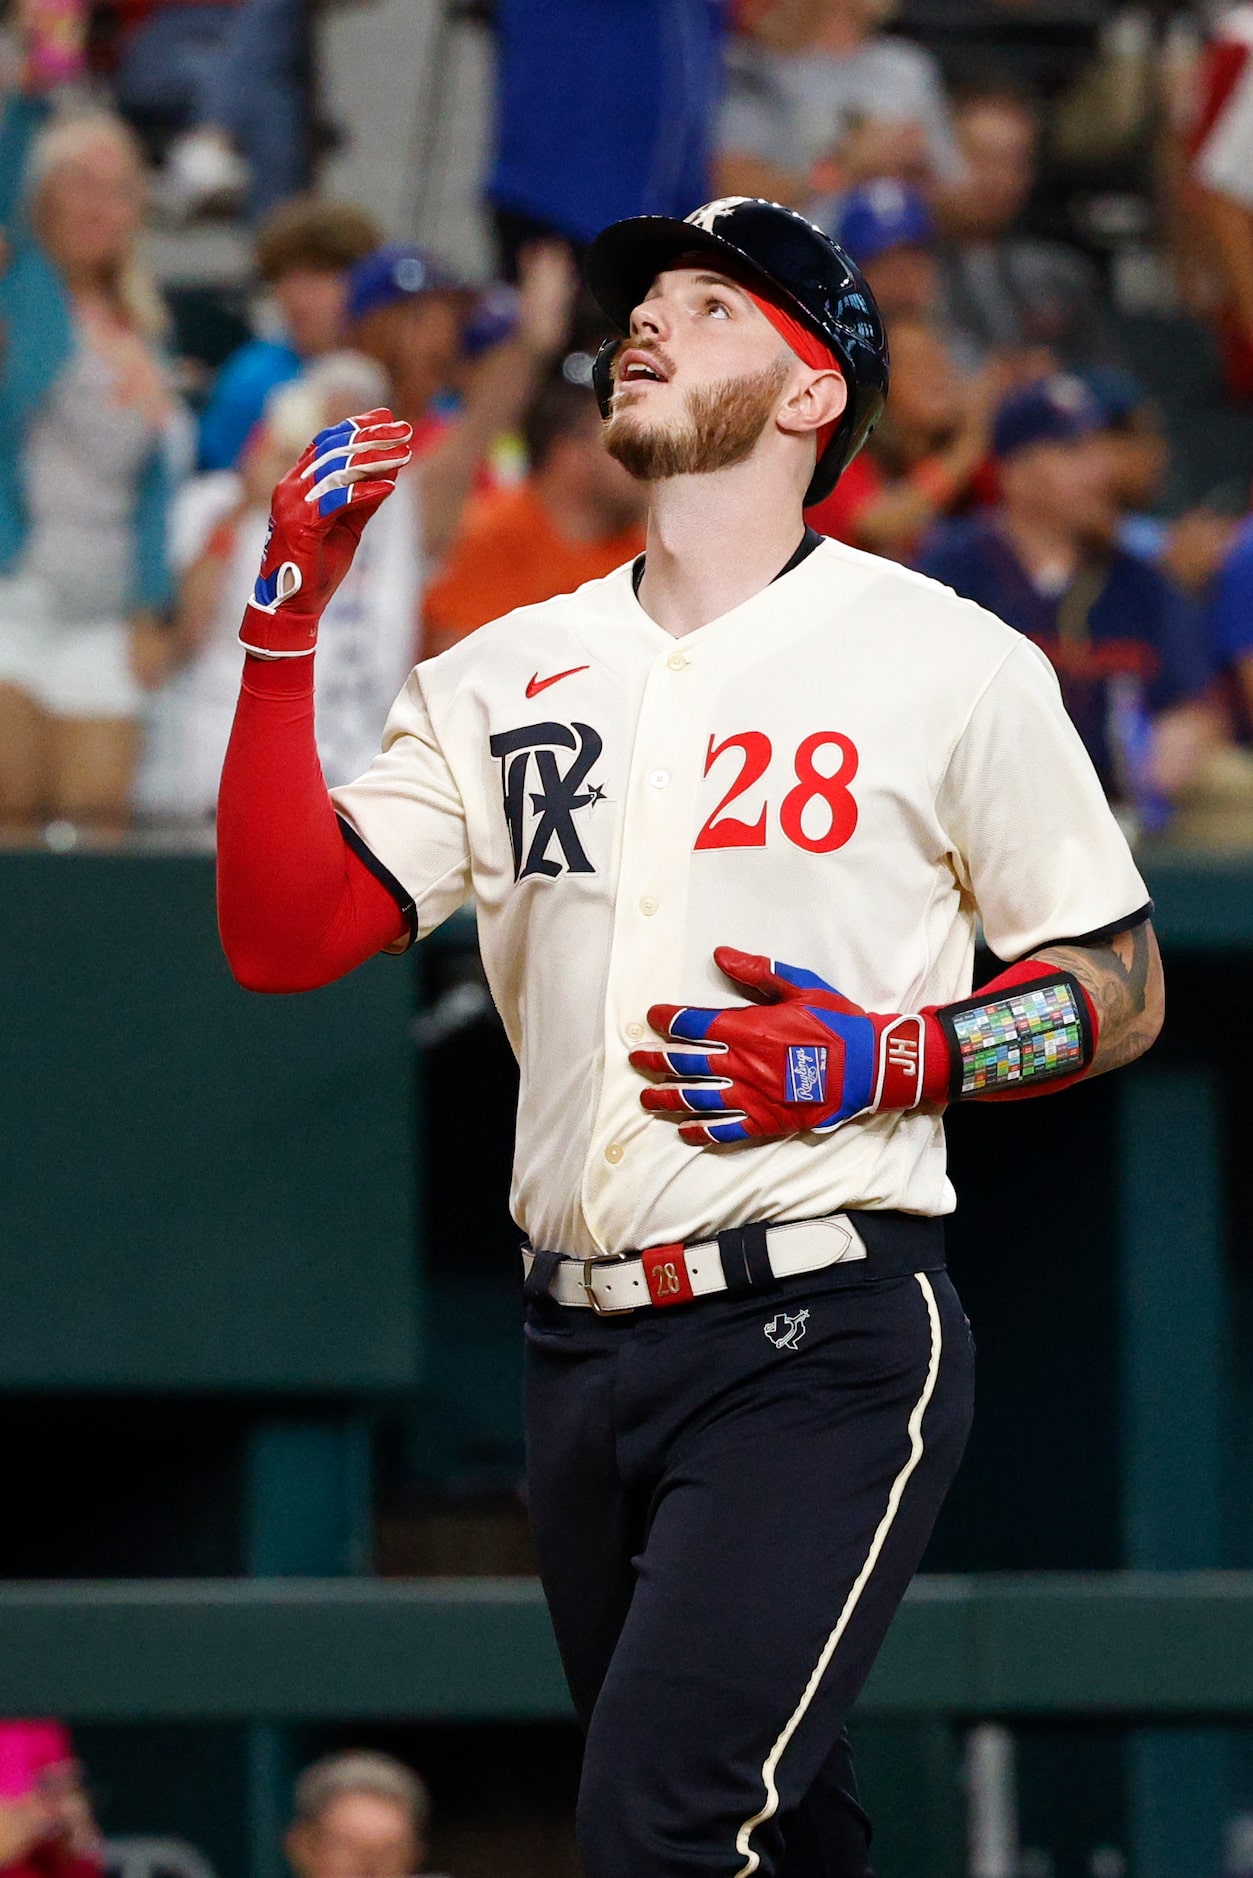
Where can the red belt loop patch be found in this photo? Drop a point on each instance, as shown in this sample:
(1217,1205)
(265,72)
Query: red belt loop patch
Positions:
(665,1268)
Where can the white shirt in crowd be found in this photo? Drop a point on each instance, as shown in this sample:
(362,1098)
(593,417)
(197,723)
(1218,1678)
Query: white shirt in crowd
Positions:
(366,644)
(792,108)
(1224,137)
(844,772)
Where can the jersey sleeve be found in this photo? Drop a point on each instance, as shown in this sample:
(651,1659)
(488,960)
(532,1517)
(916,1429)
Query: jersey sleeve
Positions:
(406,813)
(1032,837)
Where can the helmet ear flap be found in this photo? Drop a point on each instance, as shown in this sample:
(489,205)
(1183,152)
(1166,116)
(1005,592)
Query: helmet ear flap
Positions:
(602,373)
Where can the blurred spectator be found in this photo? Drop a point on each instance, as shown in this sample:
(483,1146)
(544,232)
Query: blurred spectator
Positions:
(1125,643)
(229,75)
(304,250)
(889,230)
(46,1825)
(923,460)
(407,315)
(1005,292)
(91,430)
(54,40)
(410,315)
(601,112)
(1230,619)
(576,517)
(818,99)
(1190,547)
(1219,142)
(367,643)
(358,1815)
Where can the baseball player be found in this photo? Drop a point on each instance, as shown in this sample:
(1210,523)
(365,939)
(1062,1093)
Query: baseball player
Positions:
(729,818)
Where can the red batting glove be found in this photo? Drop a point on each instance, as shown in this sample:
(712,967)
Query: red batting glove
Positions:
(806,1059)
(319,510)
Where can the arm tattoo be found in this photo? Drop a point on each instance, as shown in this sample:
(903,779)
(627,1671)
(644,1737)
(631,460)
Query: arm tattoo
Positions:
(1123,978)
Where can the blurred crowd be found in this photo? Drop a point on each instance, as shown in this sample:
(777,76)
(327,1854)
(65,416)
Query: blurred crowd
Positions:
(355,1814)
(1058,225)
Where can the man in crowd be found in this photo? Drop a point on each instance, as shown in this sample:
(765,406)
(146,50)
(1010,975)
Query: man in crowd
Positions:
(1191,547)
(889,230)
(818,99)
(1005,292)
(305,251)
(406,315)
(924,460)
(1125,643)
(358,1815)
(575,517)
(409,315)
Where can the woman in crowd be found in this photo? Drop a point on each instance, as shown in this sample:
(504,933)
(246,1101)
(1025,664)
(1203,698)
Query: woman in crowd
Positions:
(90,426)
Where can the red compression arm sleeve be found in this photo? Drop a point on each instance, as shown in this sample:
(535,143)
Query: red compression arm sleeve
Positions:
(296,907)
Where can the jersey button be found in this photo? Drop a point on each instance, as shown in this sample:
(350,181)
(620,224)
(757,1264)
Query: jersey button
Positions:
(676,662)
(614,1153)
(648,906)
(635,1033)
(659,778)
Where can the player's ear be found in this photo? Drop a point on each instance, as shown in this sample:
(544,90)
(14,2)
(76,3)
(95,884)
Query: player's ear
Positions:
(817,400)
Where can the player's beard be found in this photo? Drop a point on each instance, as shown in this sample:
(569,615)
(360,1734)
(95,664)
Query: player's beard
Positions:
(718,428)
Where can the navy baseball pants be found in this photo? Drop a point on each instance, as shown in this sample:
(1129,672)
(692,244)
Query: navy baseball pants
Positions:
(729,1499)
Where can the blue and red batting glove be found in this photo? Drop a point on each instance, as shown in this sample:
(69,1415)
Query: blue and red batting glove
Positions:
(319,510)
(803,1059)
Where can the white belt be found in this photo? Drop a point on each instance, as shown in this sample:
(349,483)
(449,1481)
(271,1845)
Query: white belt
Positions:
(675,1274)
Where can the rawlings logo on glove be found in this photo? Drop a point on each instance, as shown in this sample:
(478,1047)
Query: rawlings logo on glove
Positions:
(319,510)
(804,1059)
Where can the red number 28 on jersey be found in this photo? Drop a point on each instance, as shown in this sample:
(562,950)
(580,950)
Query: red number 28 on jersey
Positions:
(820,829)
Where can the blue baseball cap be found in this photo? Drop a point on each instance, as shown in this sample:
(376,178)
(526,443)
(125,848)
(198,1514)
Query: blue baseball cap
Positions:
(1126,402)
(398,271)
(881,215)
(1059,409)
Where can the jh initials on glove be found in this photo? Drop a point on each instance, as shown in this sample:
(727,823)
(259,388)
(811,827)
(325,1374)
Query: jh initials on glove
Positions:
(806,1059)
(319,510)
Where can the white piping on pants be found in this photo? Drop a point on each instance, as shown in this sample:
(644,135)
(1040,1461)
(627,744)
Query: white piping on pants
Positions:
(746,1831)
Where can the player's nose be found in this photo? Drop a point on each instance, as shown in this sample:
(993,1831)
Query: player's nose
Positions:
(649,319)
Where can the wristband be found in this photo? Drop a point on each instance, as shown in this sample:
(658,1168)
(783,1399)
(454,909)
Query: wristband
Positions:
(1011,1036)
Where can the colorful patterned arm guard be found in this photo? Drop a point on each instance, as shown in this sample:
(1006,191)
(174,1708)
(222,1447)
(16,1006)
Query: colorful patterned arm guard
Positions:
(1012,1036)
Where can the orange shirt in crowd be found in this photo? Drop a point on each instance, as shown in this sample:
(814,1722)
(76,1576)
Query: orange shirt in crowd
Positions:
(509,554)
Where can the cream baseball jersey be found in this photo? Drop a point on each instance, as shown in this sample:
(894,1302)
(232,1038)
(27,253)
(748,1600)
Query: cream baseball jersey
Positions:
(844,772)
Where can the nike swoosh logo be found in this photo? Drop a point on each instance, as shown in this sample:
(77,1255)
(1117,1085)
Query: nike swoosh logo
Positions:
(539,684)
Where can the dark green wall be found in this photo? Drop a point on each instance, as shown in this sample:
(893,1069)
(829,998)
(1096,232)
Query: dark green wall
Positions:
(202,1189)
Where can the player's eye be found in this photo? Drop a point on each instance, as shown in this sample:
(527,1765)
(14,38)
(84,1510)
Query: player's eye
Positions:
(717,309)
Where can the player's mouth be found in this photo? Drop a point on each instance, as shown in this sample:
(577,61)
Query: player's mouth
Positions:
(637,367)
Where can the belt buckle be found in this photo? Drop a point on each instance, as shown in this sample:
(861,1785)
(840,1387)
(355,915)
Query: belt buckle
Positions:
(585,1279)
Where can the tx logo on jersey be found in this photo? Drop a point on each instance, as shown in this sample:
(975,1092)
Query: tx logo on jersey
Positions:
(542,817)
(786,1329)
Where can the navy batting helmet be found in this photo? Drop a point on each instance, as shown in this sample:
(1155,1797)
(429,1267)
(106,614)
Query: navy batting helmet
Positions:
(787,259)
